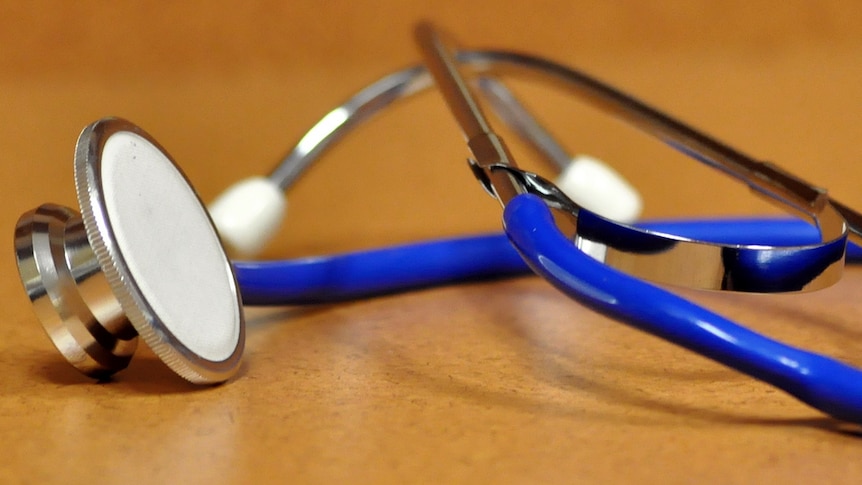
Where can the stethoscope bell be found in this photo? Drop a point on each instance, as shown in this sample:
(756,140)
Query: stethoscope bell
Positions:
(142,258)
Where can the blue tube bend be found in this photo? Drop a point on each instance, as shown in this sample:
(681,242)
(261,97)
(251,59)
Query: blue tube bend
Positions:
(826,384)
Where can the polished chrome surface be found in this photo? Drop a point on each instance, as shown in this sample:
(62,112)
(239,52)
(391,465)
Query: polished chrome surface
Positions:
(517,117)
(69,291)
(339,121)
(657,257)
(782,188)
(763,177)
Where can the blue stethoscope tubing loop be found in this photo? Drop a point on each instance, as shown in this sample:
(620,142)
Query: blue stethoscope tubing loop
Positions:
(370,273)
(826,384)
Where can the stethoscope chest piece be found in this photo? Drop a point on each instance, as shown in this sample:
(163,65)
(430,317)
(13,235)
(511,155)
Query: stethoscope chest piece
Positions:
(141,259)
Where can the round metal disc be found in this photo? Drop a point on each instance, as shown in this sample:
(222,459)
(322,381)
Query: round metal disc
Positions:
(159,250)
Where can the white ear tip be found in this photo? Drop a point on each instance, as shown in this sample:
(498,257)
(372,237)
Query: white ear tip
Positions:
(599,188)
(248,214)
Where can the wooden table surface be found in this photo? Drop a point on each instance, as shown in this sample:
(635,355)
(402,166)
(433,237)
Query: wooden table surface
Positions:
(500,381)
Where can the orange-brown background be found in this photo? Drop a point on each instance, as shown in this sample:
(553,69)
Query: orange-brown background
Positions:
(499,381)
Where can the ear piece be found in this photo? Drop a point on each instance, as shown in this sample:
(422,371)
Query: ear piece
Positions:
(599,188)
(248,214)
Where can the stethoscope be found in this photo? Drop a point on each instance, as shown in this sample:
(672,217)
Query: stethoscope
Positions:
(143,257)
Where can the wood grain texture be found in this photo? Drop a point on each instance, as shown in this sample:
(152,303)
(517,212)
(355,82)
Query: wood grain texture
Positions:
(503,381)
